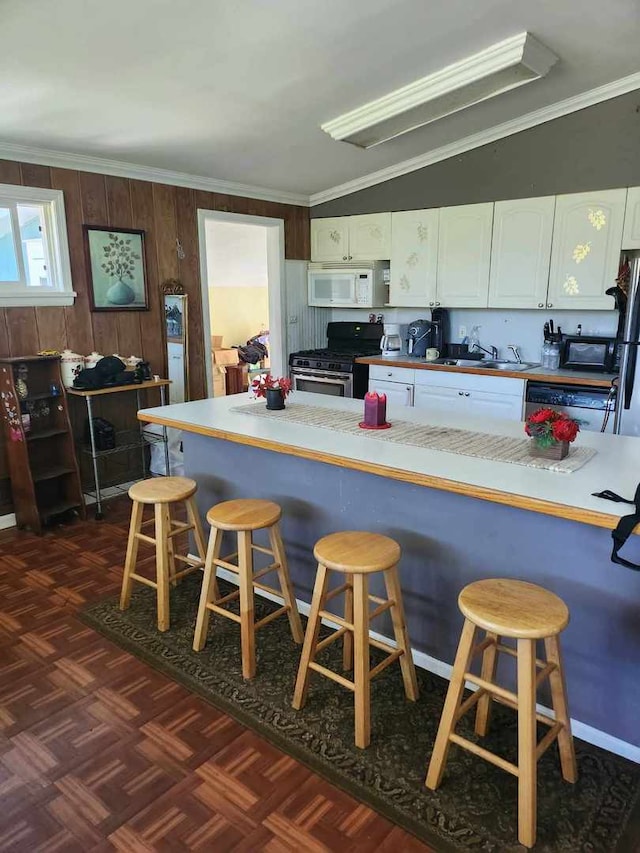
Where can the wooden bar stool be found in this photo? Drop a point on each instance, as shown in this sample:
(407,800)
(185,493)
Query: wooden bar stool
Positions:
(356,555)
(162,493)
(525,612)
(243,517)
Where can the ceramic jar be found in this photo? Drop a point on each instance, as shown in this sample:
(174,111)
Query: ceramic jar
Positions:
(91,360)
(71,363)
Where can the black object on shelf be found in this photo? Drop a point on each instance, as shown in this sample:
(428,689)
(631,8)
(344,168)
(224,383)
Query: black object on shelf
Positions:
(104,434)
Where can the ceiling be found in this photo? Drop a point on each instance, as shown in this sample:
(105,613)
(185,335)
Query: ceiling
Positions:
(237,89)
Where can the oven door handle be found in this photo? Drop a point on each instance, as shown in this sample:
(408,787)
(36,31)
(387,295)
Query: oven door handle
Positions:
(333,379)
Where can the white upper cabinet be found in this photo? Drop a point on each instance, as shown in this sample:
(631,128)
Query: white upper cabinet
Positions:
(414,258)
(464,252)
(370,237)
(631,233)
(587,237)
(348,239)
(521,253)
(330,239)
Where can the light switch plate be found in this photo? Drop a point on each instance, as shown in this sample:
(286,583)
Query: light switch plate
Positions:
(462,332)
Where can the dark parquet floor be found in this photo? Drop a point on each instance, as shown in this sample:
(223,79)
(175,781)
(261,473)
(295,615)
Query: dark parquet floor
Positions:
(99,752)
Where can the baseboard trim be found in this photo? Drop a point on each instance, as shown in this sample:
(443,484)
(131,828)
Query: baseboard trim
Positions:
(7,521)
(424,661)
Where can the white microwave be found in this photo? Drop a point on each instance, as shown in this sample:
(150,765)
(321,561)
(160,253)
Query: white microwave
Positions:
(349,286)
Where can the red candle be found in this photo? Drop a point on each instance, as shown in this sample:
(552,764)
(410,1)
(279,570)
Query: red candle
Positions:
(371,408)
(382,409)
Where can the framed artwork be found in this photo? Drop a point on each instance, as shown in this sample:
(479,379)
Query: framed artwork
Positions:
(117,269)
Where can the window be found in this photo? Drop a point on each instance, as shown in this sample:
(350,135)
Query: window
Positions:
(34,253)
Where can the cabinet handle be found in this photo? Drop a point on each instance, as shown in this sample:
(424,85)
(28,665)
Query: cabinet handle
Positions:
(549,304)
(389,374)
(467,393)
(460,393)
(540,304)
(350,257)
(344,258)
(437,303)
(430,304)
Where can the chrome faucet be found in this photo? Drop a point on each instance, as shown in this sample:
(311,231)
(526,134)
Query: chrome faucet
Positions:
(516,353)
(492,351)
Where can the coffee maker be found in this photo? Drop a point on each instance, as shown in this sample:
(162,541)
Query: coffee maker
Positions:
(391,342)
(426,334)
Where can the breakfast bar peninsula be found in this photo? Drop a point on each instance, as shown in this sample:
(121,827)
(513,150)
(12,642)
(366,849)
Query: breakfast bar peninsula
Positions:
(457,517)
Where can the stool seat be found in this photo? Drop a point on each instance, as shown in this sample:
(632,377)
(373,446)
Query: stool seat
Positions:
(512,608)
(357,551)
(244,514)
(163,490)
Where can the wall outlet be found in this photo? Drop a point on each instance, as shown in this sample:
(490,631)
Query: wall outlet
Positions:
(462,332)
(293,319)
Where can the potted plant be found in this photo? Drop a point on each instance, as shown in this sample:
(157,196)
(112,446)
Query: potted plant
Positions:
(274,389)
(551,433)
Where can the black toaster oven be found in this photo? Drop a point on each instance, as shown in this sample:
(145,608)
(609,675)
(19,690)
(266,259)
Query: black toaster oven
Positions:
(585,352)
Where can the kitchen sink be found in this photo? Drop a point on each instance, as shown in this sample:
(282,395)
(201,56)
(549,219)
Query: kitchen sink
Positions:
(488,363)
(509,365)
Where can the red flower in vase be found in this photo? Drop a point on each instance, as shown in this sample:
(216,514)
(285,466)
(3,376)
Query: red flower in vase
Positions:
(266,382)
(547,427)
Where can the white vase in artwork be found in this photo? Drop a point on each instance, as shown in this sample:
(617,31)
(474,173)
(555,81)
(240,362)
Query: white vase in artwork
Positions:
(120,293)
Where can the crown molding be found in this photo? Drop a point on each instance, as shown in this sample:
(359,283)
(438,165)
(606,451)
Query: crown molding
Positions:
(104,166)
(476,140)
(407,108)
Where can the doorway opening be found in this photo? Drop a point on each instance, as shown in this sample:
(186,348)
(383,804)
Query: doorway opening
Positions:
(242,269)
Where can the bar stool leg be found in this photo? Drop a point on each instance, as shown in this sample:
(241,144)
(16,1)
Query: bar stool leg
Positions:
(171,553)
(488,673)
(247,629)
(347,640)
(132,554)
(561,710)
(277,546)
(162,565)
(202,549)
(310,638)
(451,703)
(527,761)
(209,590)
(361,660)
(394,593)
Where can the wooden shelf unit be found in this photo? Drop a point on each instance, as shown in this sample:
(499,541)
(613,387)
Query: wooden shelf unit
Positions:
(45,481)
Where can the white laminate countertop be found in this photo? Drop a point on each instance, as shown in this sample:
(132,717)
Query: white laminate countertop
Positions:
(616,465)
(539,374)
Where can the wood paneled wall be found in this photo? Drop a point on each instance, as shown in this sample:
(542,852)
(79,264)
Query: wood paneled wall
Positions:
(166,214)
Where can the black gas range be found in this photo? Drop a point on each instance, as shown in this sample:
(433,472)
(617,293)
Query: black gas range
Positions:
(333,370)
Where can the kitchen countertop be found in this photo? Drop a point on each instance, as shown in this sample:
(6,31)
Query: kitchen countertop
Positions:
(540,374)
(615,465)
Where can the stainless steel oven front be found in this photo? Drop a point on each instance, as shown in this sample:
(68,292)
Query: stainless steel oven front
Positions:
(319,381)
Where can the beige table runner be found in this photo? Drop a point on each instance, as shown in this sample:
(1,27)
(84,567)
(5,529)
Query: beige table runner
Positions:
(498,448)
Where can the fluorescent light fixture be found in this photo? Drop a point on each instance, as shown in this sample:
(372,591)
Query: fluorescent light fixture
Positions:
(499,68)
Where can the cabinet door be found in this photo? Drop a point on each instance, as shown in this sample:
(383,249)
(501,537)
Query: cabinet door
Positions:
(437,399)
(414,258)
(631,233)
(464,252)
(587,238)
(370,237)
(521,253)
(398,393)
(330,239)
(490,405)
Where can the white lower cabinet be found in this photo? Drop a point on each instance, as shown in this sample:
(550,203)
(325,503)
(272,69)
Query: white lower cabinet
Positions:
(398,393)
(395,382)
(473,394)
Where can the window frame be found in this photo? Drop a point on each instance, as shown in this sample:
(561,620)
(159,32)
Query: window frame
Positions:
(16,294)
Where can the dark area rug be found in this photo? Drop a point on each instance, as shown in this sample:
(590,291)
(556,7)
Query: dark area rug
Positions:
(475,809)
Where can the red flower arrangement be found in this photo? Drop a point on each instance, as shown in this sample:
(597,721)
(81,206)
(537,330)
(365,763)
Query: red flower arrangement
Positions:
(266,382)
(547,427)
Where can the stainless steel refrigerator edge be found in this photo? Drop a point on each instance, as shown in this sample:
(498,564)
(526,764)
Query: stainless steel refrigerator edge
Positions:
(627,415)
